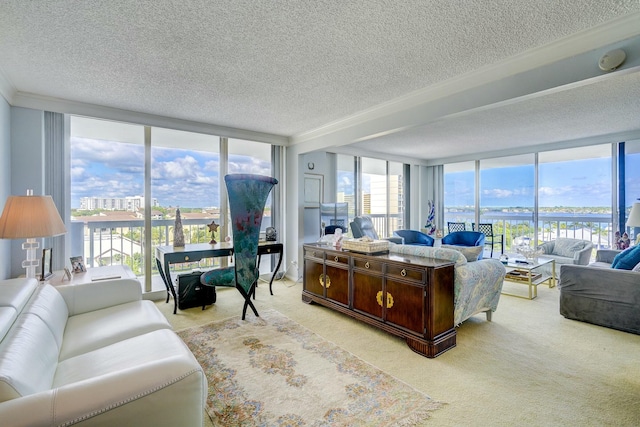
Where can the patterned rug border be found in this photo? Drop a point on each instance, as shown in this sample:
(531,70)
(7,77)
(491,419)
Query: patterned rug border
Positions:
(332,352)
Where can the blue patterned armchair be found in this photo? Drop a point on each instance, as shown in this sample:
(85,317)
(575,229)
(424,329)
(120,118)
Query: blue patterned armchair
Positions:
(476,285)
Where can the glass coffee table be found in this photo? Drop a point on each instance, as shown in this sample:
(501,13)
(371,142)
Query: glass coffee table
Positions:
(527,272)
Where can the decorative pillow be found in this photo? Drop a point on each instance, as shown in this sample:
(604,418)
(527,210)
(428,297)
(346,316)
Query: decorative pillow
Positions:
(471,253)
(620,256)
(628,261)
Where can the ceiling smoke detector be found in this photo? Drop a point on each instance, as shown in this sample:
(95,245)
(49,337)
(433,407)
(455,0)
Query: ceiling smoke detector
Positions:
(612,60)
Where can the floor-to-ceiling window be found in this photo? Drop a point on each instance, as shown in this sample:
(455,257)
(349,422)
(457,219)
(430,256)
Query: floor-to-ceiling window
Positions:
(184,170)
(253,158)
(507,196)
(396,197)
(631,185)
(107,192)
(185,177)
(375,188)
(575,194)
(346,184)
(381,195)
(459,193)
(573,197)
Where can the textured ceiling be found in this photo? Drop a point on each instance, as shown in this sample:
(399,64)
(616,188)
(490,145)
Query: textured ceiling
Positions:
(289,67)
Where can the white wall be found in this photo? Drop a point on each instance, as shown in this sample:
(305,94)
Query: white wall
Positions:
(5,180)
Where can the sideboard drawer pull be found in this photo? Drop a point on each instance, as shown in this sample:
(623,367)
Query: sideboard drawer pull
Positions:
(325,281)
(366,264)
(403,272)
(336,259)
(389,299)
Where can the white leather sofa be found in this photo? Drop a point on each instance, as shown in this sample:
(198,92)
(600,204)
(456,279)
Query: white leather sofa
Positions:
(93,354)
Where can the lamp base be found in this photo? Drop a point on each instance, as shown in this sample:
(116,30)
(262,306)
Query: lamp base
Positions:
(30,264)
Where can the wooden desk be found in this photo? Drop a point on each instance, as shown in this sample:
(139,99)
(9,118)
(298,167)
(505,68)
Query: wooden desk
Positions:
(167,255)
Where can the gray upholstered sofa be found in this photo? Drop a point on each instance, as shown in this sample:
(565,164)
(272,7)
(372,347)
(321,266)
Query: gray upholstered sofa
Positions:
(566,251)
(94,354)
(601,295)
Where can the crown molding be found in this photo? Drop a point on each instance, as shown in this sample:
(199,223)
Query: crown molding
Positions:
(39,102)
(584,41)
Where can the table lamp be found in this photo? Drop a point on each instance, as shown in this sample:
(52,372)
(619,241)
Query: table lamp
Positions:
(634,216)
(30,217)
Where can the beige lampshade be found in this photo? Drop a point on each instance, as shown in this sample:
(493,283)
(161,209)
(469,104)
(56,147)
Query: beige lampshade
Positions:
(26,217)
(634,216)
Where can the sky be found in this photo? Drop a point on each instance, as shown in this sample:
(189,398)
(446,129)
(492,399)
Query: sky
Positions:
(579,183)
(183,178)
(189,178)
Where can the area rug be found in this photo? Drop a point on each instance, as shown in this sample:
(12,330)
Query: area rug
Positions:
(271,371)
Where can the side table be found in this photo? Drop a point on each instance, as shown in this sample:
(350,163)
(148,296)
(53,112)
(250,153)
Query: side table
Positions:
(95,274)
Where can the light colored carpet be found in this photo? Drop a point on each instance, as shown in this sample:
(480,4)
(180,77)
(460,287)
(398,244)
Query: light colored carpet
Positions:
(529,366)
(269,370)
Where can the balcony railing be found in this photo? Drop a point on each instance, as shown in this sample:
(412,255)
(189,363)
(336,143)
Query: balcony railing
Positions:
(122,242)
(597,228)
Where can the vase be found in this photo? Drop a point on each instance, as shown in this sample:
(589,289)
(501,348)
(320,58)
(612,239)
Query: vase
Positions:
(247,197)
(430,226)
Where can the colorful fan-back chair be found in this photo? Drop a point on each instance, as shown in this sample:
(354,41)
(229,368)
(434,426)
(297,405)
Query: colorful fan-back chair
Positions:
(247,197)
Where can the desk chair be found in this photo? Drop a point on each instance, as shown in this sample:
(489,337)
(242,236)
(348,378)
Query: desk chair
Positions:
(456,226)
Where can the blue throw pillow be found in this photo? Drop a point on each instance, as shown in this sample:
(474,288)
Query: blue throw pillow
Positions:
(618,257)
(629,260)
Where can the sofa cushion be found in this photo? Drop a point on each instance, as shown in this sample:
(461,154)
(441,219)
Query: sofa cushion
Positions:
(628,259)
(471,253)
(95,329)
(128,354)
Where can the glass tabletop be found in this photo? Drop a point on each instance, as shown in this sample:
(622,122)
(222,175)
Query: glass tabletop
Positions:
(527,264)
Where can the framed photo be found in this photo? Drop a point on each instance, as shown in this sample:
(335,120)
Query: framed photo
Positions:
(313,190)
(67,275)
(77,264)
(46,264)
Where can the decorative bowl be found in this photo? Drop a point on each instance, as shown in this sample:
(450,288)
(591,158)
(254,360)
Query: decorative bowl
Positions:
(529,252)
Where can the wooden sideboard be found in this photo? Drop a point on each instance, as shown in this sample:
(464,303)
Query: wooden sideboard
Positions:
(408,296)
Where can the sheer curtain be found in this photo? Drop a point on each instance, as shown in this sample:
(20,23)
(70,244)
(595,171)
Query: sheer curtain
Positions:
(54,169)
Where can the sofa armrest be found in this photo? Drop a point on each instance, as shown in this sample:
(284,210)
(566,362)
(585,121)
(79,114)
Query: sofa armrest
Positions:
(477,288)
(142,396)
(583,256)
(606,255)
(85,297)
